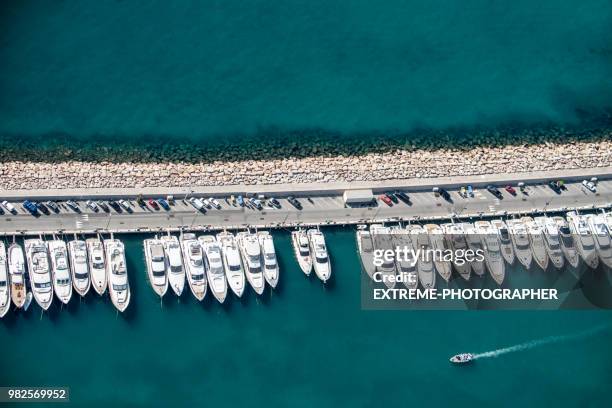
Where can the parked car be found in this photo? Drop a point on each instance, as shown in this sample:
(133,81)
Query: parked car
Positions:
(170,199)
(510,189)
(103,206)
(589,185)
(9,207)
(463,192)
(92,205)
(274,202)
(385,199)
(294,202)
(164,204)
(256,203)
(115,206)
(470,190)
(403,196)
(493,190)
(53,206)
(73,205)
(197,204)
(42,208)
(392,197)
(215,203)
(240,201)
(31,207)
(153,204)
(125,205)
(554,185)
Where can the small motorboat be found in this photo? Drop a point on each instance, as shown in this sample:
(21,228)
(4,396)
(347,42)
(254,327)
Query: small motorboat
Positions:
(462,358)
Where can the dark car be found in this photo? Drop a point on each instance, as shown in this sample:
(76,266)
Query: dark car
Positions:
(554,185)
(42,208)
(403,196)
(53,206)
(392,197)
(164,204)
(153,204)
(493,190)
(274,202)
(294,202)
(103,206)
(510,189)
(73,205)
(31,207)
(115,206)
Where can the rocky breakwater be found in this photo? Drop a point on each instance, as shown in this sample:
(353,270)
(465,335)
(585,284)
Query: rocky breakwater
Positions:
(58,166)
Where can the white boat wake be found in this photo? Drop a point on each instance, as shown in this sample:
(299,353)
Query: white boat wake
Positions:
(541,342)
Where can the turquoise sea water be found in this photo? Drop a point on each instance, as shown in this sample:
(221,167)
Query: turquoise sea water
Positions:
(98,70)
(303,345)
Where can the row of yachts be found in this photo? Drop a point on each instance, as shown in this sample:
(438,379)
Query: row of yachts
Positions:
(55,267)
(224,262)
(542,241)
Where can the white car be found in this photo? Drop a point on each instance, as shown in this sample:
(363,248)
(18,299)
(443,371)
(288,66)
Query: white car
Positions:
(92,205)
(590,185)
(196,203)
(206,203)
(9,207)
(125,205)
(215,203)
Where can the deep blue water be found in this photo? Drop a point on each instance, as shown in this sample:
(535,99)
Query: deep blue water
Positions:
(207,70)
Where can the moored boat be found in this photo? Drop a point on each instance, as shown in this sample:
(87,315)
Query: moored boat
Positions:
(383,241)
(601,236)
(251,259)
(455,238)
(16,266)
(425,265)
(472,237)
(5,286)
(536,240)
(365,249)
(116,271)
(155,260)
(232,263)
(439,245)
(268,255)
(406,267)
(214,267)
(505,241)
(60,272)
(318,248)
(174,264)
(39,272)
(301,250)
(493,255)
(566,241)
(77,251)
(195,267)
(583,238)
(520,240)
(97,265)
(551,240)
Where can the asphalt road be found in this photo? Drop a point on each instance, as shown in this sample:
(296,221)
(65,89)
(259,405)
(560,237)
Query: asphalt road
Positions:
(316,210)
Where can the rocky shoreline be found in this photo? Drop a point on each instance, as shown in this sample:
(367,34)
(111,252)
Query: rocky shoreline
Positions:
(274,162)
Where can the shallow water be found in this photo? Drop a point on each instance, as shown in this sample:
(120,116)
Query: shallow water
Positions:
(304,344)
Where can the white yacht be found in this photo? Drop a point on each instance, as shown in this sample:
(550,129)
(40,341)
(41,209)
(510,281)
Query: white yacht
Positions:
(365,248)
(566,239)
(97,265)
(174,264)
(455,238)
(77,251)
(301,250)
(62,282)
(214,267)
(322,265)
(232,263)
(536,239)
(492,247)
(16,265)
(39,272)
(505,241)
(551,240)
(195,268)
(406,267)
(383,241)
(116,271)
(425,265)
(5,286)
(268,253)
(585,244)
(601,235)
(251,259)
(439,245)
(472,238)
(155,259)
(520,240)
